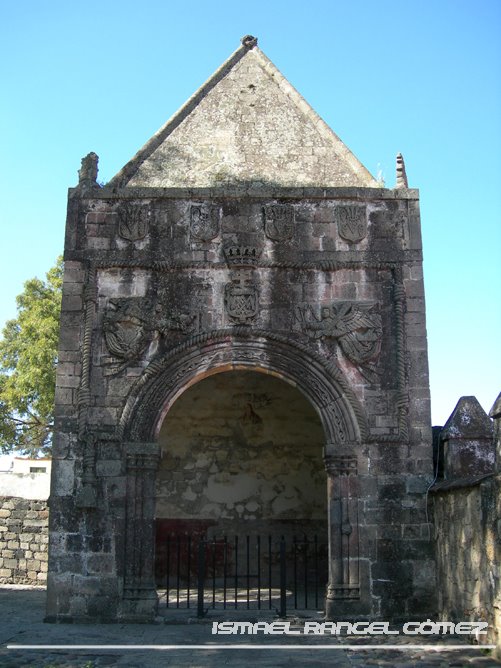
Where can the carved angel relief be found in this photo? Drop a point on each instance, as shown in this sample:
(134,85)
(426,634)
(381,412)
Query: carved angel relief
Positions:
(356,326)
(133,326)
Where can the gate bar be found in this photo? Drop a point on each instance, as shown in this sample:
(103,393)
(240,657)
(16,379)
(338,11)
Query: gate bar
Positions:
(283,592)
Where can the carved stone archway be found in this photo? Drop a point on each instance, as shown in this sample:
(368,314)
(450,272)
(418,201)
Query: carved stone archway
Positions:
(240,348)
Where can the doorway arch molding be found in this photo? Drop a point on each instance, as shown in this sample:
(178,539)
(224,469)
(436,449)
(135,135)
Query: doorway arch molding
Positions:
(242,348)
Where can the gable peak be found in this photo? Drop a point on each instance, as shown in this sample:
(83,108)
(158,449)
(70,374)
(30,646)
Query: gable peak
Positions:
(246,125)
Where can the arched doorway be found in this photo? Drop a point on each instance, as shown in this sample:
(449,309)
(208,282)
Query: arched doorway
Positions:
(239,350)
(241,460)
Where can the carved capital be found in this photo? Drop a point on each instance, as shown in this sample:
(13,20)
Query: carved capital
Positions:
(142,456)
(340,465)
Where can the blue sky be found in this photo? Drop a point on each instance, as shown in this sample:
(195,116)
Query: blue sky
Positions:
(422,78)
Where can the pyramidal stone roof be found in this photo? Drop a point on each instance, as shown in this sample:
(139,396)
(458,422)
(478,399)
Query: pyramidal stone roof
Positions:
(245,125)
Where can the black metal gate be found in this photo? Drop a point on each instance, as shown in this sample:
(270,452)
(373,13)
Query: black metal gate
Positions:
(246,573)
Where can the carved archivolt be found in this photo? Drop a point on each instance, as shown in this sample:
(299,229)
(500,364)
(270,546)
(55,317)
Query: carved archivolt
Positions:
(166,376)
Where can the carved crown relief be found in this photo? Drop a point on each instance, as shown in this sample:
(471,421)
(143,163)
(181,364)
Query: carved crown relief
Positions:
(241,256)
(133,221)
(356,326)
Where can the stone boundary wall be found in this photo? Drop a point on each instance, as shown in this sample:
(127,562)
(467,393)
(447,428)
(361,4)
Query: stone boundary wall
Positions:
(468,539)
(23,540)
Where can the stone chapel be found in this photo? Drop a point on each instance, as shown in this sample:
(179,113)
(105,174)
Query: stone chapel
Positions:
(243,350)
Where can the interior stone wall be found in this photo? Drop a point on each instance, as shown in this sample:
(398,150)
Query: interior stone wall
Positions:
(241,446)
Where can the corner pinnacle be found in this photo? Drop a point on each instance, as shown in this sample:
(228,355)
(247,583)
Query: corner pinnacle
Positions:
(401,175)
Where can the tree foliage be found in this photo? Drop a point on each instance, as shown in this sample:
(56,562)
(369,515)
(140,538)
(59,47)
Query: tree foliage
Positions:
(28,358)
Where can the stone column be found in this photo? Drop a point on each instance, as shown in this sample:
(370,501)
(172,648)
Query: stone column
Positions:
(139,602)
(343,531)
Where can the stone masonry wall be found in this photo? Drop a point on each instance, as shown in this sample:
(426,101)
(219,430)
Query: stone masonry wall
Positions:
(468,540)
(23,541)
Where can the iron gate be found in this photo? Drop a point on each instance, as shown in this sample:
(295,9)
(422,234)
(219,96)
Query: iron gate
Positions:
(249,572)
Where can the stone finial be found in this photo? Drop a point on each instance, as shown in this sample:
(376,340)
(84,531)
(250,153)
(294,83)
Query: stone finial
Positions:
(87,174)
(249,41)
(401,175)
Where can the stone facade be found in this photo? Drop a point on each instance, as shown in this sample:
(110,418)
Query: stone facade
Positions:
(23,541)
(243,238)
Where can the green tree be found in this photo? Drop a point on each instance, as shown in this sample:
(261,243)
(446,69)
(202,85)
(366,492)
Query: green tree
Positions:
(28,358)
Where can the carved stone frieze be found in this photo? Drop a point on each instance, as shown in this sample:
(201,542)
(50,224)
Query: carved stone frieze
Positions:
(204,221)
(133,221)
(278,221)
(352,222)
